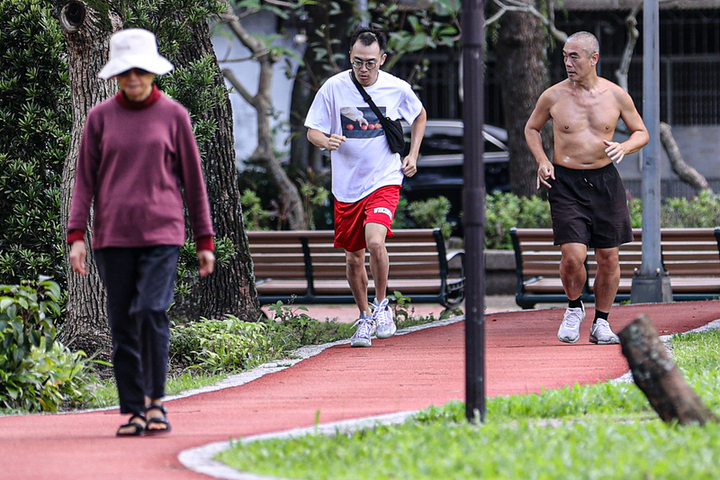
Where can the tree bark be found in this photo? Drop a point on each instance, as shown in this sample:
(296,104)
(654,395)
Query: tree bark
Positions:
(659,378)
(686,173)
(522,67)
(87,33)
(231,288)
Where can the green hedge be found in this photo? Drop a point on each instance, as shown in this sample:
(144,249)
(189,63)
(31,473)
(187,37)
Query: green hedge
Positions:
(35,124)
(505,210)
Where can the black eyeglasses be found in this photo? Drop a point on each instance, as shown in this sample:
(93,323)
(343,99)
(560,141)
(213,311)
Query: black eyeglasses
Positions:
(138,71)
(358,64)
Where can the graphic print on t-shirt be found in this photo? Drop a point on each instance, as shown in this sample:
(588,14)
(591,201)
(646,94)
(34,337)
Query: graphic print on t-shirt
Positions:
(361,122)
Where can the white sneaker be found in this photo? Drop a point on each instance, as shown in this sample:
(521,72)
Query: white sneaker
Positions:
(602,334)
(383,318)
(569,331)
(365,330)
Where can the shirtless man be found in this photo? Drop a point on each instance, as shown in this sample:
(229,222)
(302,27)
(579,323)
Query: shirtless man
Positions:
(587,197)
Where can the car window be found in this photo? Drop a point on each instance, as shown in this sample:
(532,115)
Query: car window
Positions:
(493,145)
(441,144)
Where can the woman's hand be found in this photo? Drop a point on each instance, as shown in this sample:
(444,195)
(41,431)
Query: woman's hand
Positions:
(206,259)
(78,253)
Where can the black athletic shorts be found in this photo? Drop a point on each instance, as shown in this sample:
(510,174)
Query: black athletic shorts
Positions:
(589,207)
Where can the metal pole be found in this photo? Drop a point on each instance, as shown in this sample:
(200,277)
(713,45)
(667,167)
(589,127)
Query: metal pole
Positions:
(473,45)
(652,284)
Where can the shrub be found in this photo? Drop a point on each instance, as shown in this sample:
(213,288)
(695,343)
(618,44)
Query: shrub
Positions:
(504,211)
(36,371)
(700,211)
(213,346)
(35,124)
(430,213)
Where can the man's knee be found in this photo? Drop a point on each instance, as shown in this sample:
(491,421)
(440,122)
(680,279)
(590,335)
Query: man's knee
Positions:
(376,246)
(355,260)
(572,264)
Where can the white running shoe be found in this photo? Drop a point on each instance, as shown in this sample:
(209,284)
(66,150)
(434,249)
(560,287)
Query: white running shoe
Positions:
(602,334)
(383,318)
(365,329)
(569,331)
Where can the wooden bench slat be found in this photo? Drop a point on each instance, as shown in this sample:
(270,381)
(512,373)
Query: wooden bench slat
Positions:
(417,264)
(689,255)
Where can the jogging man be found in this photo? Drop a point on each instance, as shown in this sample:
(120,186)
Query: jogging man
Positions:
(587,197)
(366,175)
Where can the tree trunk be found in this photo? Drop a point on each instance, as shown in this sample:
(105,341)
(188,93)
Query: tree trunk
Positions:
(686,173)
(231,287)
(291,206)
(659,378)
(87,34)
(303,154)
(311,75)
(522,67)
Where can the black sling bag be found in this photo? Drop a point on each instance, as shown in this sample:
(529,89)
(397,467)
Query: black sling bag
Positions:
(393,128)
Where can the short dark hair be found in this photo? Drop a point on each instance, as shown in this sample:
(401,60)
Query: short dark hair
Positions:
(368,36)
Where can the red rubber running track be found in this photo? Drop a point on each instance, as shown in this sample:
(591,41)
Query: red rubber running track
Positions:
(406,372)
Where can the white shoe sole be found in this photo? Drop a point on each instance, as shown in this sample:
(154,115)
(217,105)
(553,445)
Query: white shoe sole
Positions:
(594,340)
(386,335)
(568,339)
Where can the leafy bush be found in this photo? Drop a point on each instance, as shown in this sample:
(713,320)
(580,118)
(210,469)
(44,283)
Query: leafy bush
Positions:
(218,345)
(700,211)
(35,124)
(36,371)
(430,213)
(504,211)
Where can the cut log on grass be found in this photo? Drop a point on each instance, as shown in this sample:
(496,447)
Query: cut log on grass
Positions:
(659,378)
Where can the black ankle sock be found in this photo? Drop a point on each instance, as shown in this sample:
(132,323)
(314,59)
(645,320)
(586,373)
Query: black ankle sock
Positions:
(599,314)
(575,303)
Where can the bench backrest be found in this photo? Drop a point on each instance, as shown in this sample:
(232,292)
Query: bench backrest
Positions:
(685,252)
(413,253)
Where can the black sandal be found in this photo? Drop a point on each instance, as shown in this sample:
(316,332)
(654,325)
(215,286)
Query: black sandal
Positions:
(138,428)
(157,420)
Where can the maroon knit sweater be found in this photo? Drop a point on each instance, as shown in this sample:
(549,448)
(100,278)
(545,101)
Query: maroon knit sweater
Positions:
(134,158)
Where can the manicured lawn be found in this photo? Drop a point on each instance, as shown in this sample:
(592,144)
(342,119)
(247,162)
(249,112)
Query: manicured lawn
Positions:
(603,431)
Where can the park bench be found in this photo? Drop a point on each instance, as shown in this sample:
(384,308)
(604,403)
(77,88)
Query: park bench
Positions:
(303,266)
(691,256)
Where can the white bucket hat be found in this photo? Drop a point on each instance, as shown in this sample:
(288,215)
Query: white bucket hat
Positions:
(134,48)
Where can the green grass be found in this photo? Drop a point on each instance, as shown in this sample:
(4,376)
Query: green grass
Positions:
(603,431)
(106,395)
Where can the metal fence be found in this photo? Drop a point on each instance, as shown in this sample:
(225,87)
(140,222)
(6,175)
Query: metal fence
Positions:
(689,56)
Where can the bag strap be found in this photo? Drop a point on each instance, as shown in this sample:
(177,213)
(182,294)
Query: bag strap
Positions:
(369,100)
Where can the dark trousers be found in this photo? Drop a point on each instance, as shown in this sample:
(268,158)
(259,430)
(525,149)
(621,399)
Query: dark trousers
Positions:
(140,283)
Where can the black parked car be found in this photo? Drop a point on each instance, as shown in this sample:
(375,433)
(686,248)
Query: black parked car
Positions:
(440,165)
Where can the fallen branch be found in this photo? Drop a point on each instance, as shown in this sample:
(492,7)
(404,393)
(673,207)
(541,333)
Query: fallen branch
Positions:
(659,378)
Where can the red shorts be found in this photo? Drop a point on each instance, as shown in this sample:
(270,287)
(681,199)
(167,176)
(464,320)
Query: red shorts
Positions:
(351,218)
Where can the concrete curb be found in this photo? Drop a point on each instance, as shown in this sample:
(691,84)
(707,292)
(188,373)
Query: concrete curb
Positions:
(202,459)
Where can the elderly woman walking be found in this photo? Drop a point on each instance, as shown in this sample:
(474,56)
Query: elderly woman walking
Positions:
(137,155)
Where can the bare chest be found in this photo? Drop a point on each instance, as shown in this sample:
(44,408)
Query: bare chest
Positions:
(578,112)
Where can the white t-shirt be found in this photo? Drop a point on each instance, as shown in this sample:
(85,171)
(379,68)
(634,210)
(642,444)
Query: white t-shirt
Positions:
(364,162)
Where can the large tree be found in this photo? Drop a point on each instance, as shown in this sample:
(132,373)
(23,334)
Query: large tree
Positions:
(290,203)
(183,37)
(523,71)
